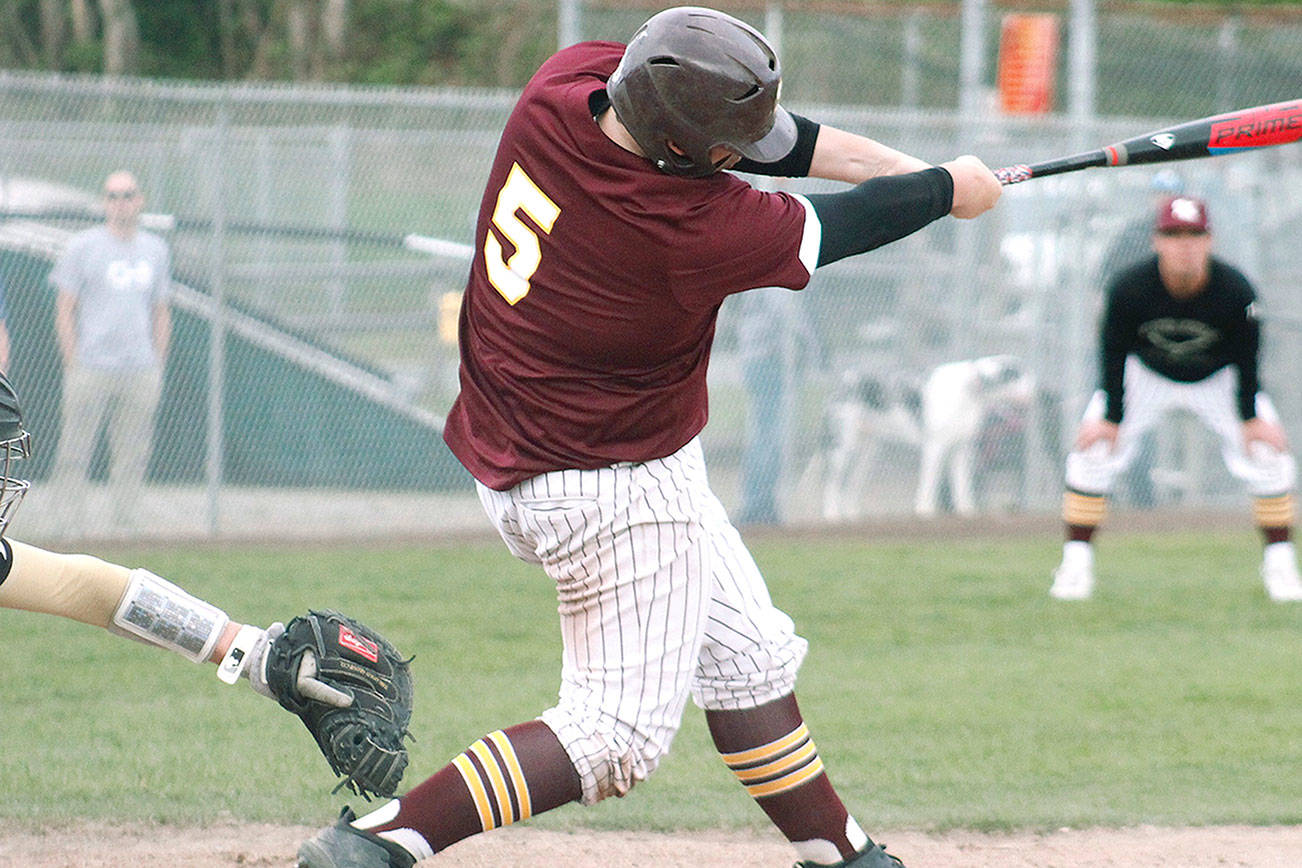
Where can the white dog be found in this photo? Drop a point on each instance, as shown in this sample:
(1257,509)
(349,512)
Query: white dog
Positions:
(943,417)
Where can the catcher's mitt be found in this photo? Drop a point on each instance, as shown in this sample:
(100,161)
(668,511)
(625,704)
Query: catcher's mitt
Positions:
(352,690)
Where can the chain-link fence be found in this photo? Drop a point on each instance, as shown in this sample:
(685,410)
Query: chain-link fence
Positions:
(320,237)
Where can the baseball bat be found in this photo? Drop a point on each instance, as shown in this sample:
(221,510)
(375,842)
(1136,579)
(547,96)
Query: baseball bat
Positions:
(1244,130)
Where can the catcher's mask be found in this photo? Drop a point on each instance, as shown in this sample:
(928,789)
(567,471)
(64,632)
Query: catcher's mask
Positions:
(15,443)
(701,79)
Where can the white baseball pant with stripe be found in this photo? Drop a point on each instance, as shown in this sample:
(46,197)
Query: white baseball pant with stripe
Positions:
(1148,397)
(658,598)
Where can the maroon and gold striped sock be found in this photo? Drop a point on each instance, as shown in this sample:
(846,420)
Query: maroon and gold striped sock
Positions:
(507,776)
(1083,513)
(1275,517)
(770,751)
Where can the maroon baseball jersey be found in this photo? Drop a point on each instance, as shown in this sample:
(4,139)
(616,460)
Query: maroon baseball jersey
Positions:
(590,308)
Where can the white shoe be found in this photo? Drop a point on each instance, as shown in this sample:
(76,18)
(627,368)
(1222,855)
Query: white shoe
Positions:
(1283,584)
(1072,582)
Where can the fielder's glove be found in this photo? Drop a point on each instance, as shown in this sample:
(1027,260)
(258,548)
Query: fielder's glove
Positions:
(352,690)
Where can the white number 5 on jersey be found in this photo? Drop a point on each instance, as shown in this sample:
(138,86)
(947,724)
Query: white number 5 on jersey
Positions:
(519,193)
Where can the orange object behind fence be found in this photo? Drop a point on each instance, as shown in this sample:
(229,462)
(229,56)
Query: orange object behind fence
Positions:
(1028,62)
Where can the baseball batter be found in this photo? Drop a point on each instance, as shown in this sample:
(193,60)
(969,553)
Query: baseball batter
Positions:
(610,233)
(1180,331)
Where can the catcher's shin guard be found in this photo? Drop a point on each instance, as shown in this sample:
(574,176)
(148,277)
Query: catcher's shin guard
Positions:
(343,845)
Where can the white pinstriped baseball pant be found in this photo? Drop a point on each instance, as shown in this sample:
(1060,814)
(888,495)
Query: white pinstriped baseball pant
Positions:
(658,598)
(1148,397)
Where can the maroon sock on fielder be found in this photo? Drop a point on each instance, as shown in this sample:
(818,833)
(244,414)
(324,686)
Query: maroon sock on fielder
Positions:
(1083,513)
(1274,535)
(505,777)
(769,750)
(1080,532)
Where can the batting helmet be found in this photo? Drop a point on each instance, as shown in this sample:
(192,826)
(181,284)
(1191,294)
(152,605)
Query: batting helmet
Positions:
(701,79)
(15,443)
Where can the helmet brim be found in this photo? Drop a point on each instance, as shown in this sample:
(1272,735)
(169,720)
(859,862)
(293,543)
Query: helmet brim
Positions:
(777,142)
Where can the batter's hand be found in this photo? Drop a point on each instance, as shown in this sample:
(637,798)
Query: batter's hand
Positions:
(976,189)
(1258,430)
(1097,431)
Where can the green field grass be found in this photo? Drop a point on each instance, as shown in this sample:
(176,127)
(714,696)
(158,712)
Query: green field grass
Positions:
(944,687)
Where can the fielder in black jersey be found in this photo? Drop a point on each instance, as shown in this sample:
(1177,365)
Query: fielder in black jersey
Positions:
(1182,339)
(1132,244)
(1180,332)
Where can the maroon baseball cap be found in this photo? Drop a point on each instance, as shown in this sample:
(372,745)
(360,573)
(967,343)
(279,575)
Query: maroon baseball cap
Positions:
(1182,214)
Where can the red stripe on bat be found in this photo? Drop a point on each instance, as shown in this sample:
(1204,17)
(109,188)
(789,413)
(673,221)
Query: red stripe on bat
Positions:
(1113,158)
(1276,124)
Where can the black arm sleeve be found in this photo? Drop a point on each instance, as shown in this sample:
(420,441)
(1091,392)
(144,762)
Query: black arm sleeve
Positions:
(794,164)
(879,211)
(1115,339)
(1245,349)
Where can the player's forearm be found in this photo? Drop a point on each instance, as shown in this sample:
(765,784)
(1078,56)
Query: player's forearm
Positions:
(1245,397)
(1112,377)
(825,152)
(1246,350)
(104,594)
(879,211)
(224,642)
(80,587)
(844,156)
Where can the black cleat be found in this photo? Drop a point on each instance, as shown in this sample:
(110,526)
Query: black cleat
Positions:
(871,856)
(345,846)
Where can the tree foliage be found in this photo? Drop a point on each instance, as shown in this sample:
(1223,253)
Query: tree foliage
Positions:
(490,42)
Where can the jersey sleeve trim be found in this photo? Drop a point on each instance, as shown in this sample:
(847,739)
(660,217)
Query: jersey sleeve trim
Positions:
(812,239)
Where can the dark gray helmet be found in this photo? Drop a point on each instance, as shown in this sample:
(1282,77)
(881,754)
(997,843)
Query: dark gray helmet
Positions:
(15,443)
(701,79)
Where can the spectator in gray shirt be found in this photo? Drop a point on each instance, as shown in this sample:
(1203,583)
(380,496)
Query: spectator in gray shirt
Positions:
(113,324)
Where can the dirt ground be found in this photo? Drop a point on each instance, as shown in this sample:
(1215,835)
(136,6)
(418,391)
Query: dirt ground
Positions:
(101,846)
